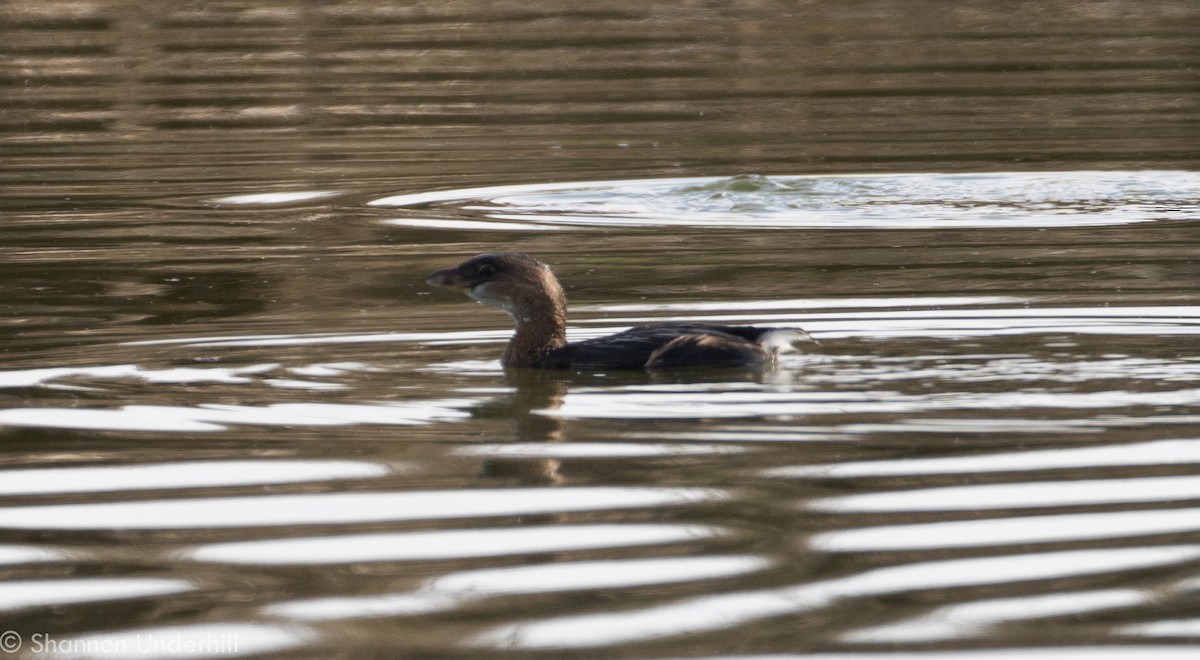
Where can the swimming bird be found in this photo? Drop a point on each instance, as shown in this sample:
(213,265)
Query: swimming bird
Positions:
(529,292)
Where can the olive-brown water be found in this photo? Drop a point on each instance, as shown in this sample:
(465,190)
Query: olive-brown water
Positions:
(235,421)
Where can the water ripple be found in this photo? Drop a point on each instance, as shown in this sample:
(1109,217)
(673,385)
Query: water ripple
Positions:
(215,417)
(447,544)
(1165,628)
(1160,452)
(276,197)
(1019,495)
(728,610)
(975,618)
(48,481)
(1009,531)
(731,403)
(594,450)
(32,377)
(886,201)
(342,508)
(457,589)
(11,555)
(21,594)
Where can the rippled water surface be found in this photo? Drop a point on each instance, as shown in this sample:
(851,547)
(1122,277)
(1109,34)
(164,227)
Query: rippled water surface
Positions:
(235,421)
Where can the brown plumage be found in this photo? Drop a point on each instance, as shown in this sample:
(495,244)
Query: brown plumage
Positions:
(527,289)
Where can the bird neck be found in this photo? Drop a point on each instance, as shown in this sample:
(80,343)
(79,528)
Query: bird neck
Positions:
(541,318)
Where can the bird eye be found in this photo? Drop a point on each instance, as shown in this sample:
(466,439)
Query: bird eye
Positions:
(485,269)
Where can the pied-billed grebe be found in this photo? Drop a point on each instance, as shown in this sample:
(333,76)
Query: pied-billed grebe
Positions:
(527,289)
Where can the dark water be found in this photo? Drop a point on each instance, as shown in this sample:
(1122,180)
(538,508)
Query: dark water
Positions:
(235,421)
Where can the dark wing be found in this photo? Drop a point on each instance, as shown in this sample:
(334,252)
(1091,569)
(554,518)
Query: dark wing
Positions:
(633,349)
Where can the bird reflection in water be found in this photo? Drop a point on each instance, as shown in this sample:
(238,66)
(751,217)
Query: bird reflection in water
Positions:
(533,392)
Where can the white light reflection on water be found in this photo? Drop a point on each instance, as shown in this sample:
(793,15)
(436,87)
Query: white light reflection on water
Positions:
(1190,584)
(82,377)
(753,434)
(360,607)
(1006,425)
(32,377)
(594,450)
(883,201)
(203,640)
(11,555)
(1009,531)
(730,402)
(447,544)
(276,197)
(471,225)
(456,589)
(723,611)
(215,417)
(293,384)
(975,618)
(1160,452)
(1018,653)
(598,574)
(1004,369)
(1018,495)
(20,594)
(343,507)
(1167,628)
(47,481)
(329,369)
(427,338)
